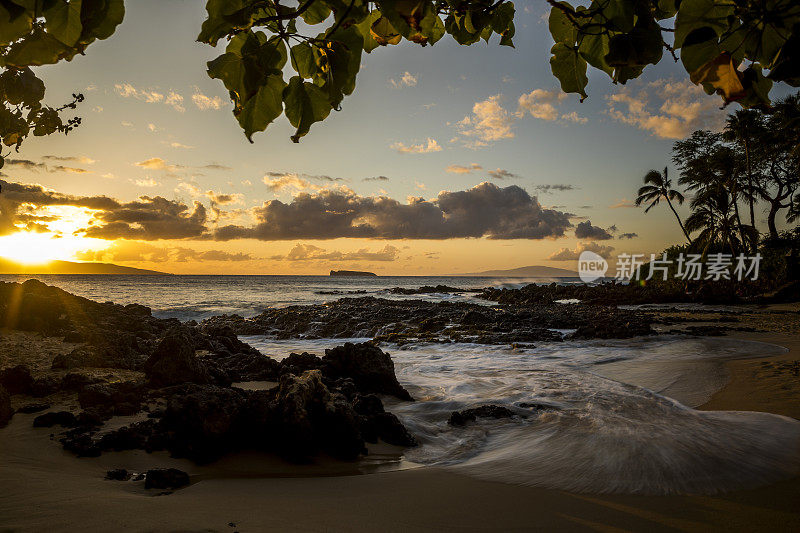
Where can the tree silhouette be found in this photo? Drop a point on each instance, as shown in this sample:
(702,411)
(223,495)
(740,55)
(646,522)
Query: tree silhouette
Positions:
(658,186)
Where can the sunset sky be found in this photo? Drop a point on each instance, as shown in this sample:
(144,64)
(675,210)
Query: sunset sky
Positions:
(449,159)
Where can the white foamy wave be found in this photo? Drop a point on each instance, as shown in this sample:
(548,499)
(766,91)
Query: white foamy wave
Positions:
(581,431)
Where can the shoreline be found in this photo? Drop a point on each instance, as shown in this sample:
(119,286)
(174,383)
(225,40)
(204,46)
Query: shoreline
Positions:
(46,487)
(52,489)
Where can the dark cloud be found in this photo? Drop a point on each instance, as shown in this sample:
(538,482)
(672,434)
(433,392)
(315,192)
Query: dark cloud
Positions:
(376,178)
(312,177)
(216,166)
(485,210)
(628,236)
(150,218)
(71,170)
(554,187)
(500,174)
(27,164)
(567,254)
(585,230)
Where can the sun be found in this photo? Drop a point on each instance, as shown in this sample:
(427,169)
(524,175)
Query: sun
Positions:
(32,248)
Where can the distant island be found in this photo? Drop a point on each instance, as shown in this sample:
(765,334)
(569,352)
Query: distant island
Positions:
(528,272)
(69,267)
(353,273)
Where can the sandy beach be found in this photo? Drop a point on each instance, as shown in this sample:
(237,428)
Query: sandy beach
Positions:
(45,487)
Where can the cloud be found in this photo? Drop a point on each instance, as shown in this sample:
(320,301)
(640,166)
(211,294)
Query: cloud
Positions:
(488,122)
(667,109)
(147,182)
(175,101)
(406,80)
(463,169)
(72,159)
(180,145)
(566,254)
(204,103)
(147,218)
(628,236)
(134,251)
(376,178)
(501,174)
(554,187)
(182,255)
(585,230)
(27,164)
(485,210)
(71,170)
(156,163)
(309,252)
(172,99)
(623,204)
(543,104)
(278,184)
(431,146)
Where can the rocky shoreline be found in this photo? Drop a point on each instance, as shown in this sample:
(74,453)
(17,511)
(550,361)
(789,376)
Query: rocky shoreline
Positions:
(180,382)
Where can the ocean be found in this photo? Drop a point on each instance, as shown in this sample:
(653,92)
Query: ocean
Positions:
(613,416)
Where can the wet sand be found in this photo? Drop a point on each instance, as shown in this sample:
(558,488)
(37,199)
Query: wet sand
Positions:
(44,488)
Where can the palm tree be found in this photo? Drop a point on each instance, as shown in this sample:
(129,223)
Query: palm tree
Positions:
(744,127)
(714,218)
(658,186)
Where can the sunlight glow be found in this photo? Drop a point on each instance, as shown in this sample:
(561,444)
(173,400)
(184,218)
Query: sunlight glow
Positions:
(40,248)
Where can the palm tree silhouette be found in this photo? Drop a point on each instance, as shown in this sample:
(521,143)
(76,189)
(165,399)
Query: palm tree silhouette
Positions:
(658,186)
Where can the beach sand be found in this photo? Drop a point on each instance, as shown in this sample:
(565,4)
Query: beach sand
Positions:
(43,487)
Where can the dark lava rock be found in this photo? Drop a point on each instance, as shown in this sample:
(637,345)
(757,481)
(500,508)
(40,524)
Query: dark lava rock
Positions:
(16,379)
(370,368)
(311,418)
(33,408)
(165,478)
(123,398)
(83,356)
(60,418)
(118,474)
(45,386)
(460,418)
(174,361)
(297,363)
(6,412)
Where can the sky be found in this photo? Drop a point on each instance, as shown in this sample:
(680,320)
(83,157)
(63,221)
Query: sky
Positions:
(445,160)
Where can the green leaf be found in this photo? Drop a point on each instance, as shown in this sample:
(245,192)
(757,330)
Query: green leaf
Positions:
(316,13)
(383,33)
(365,29)
(699,48)
(38,48)
(508,35)
(756,86)
(100,18)
(620,14)
(263,108)
(570,69)
(642,46)
(63,20)
(562,30)
(45,121)
(14,23)
(594,48)
(303,60)
(343,56)
(225,16)
(502,17)
(305,104)
(21,87)
(696,14)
